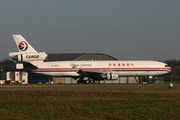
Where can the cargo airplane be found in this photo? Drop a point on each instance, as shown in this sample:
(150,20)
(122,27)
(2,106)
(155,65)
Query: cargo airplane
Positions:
(33,61)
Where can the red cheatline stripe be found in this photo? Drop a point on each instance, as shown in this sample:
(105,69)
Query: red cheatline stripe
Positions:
(167,69)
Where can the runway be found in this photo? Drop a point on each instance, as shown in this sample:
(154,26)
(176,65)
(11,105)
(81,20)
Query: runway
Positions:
(82,87)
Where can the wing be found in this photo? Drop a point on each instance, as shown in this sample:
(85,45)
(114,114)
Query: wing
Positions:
(90,72)
(97,74)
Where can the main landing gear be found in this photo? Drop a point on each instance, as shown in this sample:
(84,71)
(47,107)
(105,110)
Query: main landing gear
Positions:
(81,81)
(88,81)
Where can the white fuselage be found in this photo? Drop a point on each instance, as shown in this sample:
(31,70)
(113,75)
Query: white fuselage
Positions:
(109,70)
(121,68)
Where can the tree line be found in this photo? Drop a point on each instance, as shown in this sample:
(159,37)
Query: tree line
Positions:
(174,64)
(6,63)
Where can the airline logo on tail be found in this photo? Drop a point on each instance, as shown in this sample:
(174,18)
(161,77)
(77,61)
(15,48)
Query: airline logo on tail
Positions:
(23,46)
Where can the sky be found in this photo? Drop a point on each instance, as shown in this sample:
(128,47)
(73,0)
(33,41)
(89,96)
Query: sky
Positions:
(124,29)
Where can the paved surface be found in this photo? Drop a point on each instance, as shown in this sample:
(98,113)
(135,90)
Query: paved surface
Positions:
(86,87)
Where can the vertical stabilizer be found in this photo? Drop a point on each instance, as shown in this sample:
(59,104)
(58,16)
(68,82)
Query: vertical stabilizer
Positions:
(22,45)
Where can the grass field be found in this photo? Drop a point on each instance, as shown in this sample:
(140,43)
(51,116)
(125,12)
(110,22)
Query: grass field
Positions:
(151,104)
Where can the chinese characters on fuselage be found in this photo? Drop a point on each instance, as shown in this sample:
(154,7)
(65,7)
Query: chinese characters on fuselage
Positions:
(120,64)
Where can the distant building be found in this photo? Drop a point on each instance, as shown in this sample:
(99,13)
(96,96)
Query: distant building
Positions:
(79,57)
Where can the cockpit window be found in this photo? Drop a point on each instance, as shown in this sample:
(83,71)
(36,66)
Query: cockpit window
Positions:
(166,66)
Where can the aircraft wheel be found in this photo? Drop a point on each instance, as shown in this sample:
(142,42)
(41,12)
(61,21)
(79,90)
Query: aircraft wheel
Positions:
(83,81)
(89,81)
(79,81)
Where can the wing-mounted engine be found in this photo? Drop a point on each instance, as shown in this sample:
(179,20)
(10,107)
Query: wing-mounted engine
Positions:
(111,76)
(28,57)
(106,76)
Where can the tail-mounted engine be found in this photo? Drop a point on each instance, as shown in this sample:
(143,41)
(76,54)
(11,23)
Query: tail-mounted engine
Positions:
(41,56)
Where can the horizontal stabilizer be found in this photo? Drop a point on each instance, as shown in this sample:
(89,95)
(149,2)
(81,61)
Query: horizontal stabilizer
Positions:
(25,66)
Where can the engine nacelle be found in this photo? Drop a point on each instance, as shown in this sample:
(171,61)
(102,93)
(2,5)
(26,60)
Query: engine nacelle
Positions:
(41,56)
(111,76)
